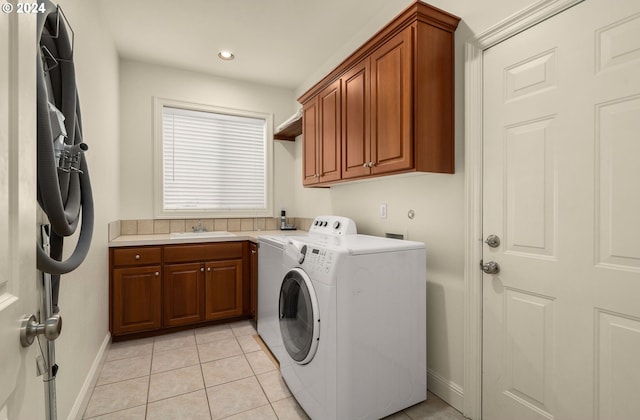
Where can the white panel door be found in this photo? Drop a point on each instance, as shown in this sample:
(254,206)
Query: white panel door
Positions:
(18,276)
(561,189)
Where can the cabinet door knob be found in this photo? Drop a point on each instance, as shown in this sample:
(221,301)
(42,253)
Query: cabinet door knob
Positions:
(157,273)
(371,164)
(365,165)
(137,256)
(202,269)
(208,268)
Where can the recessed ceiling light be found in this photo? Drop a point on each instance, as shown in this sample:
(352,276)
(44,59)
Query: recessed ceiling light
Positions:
(226,55)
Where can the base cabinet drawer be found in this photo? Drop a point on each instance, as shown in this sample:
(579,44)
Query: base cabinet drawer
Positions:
(136,302)
(137,256)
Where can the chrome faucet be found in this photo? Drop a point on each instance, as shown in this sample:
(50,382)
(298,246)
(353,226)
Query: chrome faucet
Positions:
(199,227)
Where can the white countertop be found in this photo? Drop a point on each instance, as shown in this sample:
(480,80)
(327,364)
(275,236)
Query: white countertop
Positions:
(165,238)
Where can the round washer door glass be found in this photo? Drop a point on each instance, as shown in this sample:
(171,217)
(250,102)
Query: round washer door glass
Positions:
(299,317)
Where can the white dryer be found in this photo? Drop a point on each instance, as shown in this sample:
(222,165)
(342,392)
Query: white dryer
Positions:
(353,325)
(270,272)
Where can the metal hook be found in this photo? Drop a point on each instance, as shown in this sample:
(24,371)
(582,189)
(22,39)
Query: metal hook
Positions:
(48,56)
(59,13)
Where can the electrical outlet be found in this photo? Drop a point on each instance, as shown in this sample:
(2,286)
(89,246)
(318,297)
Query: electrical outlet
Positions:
(383,210)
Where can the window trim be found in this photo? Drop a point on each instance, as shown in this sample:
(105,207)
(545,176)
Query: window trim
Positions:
(158,206)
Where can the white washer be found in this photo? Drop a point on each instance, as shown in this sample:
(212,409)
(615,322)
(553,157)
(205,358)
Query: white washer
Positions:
(353,325)
(271,270)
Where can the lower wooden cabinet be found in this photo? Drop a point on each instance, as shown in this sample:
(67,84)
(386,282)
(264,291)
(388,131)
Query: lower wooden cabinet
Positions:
(223,289)
(183,294)
(182,285)
(136,299)
(253,249)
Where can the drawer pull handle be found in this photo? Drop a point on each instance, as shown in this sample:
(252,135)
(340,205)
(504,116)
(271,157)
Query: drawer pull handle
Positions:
(137,256)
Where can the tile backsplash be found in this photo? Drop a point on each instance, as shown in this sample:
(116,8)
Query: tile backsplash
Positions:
(160,226)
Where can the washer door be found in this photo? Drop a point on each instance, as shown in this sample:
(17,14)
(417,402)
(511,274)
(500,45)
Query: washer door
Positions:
(299,317)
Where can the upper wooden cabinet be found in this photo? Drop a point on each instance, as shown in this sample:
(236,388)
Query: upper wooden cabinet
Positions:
(321,120)
(356,130)
(395,108)
(391,100)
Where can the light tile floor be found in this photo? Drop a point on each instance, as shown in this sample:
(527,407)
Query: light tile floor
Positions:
(208,373)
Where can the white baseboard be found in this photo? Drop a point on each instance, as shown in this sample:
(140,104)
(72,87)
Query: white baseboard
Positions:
(448,391)
(80,405)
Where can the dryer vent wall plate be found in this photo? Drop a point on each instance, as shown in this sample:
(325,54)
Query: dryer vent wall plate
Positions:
(394,235)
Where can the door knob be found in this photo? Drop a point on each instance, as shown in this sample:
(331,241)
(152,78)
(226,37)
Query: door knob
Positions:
(493,241)
(30,328)
(490,267)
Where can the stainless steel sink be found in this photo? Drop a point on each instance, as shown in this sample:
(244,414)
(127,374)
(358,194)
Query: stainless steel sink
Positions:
(190,235)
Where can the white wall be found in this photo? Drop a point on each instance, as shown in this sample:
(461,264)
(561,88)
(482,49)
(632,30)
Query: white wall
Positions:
(84,293)
(117,115)
(437,199)
(140,83)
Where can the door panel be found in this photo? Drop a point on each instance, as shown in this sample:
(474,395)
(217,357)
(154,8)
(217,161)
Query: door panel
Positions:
(617,151)
(561,320)
(530,195)
(20,390)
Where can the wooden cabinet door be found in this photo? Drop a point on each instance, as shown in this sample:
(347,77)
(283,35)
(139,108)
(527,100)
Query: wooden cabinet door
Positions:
(356,151)
(136,304)
(310,166)
(329,149)
(254,280)
(321,139)
(183,293)
(223,289)
(391,104)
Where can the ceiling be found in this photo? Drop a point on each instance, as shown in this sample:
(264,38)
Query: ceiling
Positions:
(276,42)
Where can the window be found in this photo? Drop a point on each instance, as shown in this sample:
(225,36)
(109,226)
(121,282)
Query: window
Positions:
(212,161)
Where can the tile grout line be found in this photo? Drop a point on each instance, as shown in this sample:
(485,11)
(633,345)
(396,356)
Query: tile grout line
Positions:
(146,406)
(204,383)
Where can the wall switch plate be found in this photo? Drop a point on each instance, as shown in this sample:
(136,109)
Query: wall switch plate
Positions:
(383,210)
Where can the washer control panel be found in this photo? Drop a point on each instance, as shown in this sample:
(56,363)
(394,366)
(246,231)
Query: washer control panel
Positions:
(333,225)
(319,259)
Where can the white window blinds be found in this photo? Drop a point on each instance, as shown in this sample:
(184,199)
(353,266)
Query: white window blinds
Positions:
(213,161)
